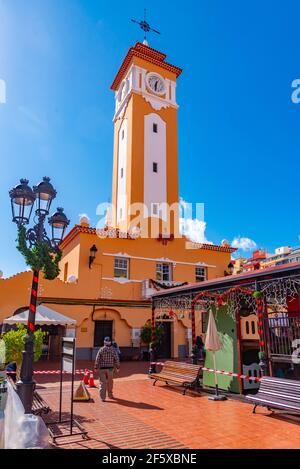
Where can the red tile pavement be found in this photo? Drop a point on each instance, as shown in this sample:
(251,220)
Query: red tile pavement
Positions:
(144,416)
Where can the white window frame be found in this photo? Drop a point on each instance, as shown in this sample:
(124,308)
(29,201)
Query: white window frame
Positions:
(161,272)
(121,266)
(199,277)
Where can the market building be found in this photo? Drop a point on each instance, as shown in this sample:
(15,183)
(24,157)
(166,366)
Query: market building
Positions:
(108,275)
(258,320)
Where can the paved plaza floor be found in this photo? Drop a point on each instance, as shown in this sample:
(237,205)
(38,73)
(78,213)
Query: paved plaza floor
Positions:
(144,416)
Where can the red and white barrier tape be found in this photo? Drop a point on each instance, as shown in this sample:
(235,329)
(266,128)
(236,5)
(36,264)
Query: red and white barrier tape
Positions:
(53,372)
(230,373)
(81,372)
(222,372)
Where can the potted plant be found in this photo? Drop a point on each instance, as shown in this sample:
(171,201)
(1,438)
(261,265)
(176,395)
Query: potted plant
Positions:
(146,337)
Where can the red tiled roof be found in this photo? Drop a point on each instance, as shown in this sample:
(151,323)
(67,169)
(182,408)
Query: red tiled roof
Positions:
(77,229)
(147,53)
(74,232)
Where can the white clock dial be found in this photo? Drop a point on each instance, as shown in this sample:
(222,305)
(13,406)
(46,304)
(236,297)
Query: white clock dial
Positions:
(156,83)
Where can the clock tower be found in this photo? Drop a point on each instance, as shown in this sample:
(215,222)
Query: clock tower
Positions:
(145,167)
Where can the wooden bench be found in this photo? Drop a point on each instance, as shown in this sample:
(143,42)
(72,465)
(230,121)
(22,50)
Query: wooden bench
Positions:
(39,406)
(277,393)
(179,374)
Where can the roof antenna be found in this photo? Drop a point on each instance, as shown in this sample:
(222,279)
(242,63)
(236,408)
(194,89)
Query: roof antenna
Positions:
(145,26)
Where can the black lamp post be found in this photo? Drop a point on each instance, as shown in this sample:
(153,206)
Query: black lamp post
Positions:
(22,202)
(92,256)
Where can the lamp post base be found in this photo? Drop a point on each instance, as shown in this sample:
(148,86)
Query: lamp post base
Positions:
(25,393)
(26,385)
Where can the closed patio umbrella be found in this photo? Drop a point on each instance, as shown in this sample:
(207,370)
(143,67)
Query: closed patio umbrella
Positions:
(213,344)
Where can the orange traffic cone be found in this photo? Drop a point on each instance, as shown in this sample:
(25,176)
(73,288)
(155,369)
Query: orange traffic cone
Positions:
(86,377)
(91,380)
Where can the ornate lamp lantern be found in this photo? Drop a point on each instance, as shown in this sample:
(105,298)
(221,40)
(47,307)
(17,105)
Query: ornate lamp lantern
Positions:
(22,199)
(58,223)
(45,193)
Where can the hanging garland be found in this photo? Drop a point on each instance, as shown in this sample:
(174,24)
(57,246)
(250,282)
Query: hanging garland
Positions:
(39,257)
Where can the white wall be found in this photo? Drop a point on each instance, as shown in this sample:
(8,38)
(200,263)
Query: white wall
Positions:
(122,163)
(155,150)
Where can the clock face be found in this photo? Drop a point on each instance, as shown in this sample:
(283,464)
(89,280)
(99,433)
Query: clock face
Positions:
(156,83)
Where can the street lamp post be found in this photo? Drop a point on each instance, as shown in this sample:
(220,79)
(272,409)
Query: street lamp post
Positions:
(23,198)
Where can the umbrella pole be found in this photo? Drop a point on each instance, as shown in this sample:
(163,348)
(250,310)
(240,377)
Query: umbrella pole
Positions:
(216,376)
(216,396)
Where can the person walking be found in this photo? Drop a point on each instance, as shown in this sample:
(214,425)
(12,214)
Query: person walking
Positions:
(106,360)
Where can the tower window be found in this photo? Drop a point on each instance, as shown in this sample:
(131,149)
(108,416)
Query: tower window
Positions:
(121,213)
(155,209)
(155,130)
(122,172)
(66,271)
(155,167)
(123,133)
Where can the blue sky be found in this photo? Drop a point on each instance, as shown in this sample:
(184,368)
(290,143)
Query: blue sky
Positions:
(238,128)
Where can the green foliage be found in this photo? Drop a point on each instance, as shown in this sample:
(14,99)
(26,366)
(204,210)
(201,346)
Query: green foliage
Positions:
(257,294)
(14,344)
(262,355)
(2,355)
(39,257)
(146,333)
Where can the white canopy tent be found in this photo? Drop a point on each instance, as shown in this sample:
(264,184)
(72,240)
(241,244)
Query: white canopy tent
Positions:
(44,317)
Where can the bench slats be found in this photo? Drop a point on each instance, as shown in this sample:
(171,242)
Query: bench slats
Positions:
(180,373)
(277,393)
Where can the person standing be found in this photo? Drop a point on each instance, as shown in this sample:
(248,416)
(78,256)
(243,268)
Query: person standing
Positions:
(106,360)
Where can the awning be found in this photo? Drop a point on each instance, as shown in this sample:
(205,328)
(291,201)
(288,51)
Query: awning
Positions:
(44,316)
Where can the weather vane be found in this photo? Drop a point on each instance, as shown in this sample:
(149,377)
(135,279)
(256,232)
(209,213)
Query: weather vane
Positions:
(145,26)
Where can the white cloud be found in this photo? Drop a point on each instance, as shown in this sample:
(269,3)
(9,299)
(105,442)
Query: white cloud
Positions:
(192,228)
(244,244)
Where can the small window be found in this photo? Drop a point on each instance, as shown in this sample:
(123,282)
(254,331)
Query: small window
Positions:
(163,272)
(155,209)
(155,129)
(200,274)
(155,167)
(66,266)
(121,213)
(123,133)
(122,172)
(121,268)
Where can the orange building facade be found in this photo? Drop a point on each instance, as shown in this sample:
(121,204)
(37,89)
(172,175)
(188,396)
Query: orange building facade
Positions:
(107,289)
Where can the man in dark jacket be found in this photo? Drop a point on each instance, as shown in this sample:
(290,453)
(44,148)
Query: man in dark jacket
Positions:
(106,360)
